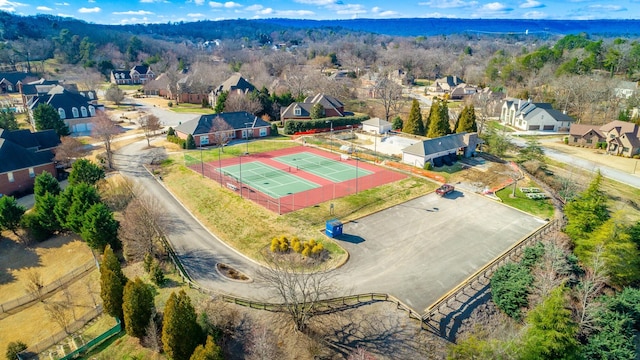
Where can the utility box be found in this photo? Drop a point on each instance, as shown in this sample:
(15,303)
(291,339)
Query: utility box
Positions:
(333,228)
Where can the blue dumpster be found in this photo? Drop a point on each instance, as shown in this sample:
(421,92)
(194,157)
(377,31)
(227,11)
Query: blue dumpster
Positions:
(333,228)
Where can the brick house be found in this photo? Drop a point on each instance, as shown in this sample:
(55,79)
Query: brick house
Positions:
(77,111)
(215,129)
(622,138)
(138,74)
(234,84)
(302,110)
(10,82)
(24,156)
(585,135)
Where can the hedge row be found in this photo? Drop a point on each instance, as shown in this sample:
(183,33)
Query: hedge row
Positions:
(294,126)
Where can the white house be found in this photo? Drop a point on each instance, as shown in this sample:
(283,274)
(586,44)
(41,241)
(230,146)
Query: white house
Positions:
(437,151)
(376,126)
(527,115)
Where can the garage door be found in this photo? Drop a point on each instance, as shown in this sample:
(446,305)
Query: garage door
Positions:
(78,128)
(548,127)
(534,127)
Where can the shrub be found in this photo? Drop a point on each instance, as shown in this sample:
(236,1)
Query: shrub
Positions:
(427,166)
(293,126)
(148,262)
(532,254)
(14,348)
(510,286)
(157,275)
(566,140)
(176,140)
(170,104)
(171,132)
(274,129)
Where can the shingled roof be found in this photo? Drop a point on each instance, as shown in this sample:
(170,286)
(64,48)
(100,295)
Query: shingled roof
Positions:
(436,145)
(15,156)
(237,120)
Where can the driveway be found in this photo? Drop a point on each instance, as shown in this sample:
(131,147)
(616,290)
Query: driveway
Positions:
(419,250)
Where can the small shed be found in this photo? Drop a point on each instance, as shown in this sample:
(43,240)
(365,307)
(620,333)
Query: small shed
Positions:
(333,228)
(376,126)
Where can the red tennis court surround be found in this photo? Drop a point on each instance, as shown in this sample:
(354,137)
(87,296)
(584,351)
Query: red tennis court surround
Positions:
(328,190)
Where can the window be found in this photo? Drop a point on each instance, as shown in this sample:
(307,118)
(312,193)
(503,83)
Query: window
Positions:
(297,111)
(245,134)
(32,173)
(62,113)
(589,141)
(204,140)
(75,112)
(263,132)
(90,95)
(625,149)
(10,176)
(575,139)
(83,110)
(92,110)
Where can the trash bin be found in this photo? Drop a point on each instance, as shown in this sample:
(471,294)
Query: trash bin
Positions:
(333,228)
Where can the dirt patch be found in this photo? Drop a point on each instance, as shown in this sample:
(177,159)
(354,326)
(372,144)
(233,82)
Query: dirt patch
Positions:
(231,273)
(478,179)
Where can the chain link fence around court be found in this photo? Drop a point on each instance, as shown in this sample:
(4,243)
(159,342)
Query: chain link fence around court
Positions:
(47,289)
(300,200)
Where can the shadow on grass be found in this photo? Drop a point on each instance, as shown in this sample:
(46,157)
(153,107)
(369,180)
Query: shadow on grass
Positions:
(15,256)
(104,345)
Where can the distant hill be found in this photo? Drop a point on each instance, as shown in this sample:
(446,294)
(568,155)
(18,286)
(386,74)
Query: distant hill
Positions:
(432,26)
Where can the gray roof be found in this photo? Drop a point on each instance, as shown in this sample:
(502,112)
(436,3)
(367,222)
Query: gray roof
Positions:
(40,140)
(237,120)
(15,157)
(59,97)
(235,82)
(376,122)
(436,145)
(15,77)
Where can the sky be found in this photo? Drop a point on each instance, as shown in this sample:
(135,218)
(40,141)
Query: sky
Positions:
(162,11)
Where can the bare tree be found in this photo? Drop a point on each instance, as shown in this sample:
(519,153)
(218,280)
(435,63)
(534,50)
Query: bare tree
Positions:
(242,102)
(388,93)
(69,149)
(89,287)
(551,270)
(153,335)
(261,345)
(150,124)
(59,313)
(34,283)
(105,130)
(141,228)
(484,103)
(589,288)
(299,292)
(221,130)
(68,300)
(360,354)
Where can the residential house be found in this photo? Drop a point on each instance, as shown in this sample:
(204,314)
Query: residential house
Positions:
(10,82)
(76,110)
(237,125)
(376,126)
(302,111)
(139,74)
(441,150)
(626,89)
(159,87)
(530,116)
(445,84)
(24,156)
(461,91)
(191,90)
(585,135)
(234,84)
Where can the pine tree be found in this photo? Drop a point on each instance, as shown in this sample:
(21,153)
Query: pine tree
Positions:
(439,119)
(190,143)
(137,307)
(414,124)
(587,211)
(84,171)
(99,228)
(317,111)
(222,98)
(397,123)
(45,183)
(467,120)
(210,351)
(46,117)
(10,214)
(84,196)
(181,333)
(112,282)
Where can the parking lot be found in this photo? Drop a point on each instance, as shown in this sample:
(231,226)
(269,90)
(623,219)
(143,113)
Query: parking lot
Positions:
(419,250)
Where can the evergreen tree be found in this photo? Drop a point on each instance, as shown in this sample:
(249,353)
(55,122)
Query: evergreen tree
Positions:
(171,132)
(414,124)
(181,333)
(439,119)
(317,111)
(8,120)
(85,171)
(14,348)
(397,123)
(222,98)
(190,143)
(84,196)
(10,214)
(46,117)
(99,228)
(467,120)
(552,332)
(112,282)
(210,351)
(63,203)
(274,129)
(45,216)
(587,211)
(45,183)
(137,307)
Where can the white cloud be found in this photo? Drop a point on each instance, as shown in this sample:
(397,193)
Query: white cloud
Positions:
(294,13)
(531,4)
(534,15)
(599,7)
(92,1)
(197,15)
(266,11)
(440,15)
(449,4)
(154,1)
(316,2)
(255,7)
(65,15)
(214,4)
(84,10)
(495,6)
(131,12)
(375,9)
(231,4)
(134,20)
(10,6)
(44,8)
(349,9)
(62,4)
(387,13)
(199,2)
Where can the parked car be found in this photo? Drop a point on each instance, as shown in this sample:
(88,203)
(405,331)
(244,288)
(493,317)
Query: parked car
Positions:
(445,189)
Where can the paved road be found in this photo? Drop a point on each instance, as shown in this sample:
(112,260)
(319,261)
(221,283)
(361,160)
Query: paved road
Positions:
(168,118)
(608,172)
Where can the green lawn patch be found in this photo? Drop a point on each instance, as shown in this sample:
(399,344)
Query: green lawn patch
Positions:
(541,208)
(495,125)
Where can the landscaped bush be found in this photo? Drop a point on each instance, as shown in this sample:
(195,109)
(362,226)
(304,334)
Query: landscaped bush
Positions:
(176,140)
(305,248)
(294,126)
(510,286)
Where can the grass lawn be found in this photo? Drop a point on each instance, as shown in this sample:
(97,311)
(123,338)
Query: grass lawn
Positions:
(249,227)
(541,208)
(190,108)
(495,125)
(211,154)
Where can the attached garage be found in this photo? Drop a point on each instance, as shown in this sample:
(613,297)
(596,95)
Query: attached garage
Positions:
(440,151)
